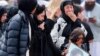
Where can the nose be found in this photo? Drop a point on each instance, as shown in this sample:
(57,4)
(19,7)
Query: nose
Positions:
(70,9)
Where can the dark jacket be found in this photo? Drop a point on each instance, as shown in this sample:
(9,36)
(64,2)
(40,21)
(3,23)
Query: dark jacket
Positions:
(41,42)
(17,35)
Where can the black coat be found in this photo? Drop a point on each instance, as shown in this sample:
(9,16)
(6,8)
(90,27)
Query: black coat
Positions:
(41,42)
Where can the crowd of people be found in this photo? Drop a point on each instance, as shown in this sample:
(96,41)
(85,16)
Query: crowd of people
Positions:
(29,28)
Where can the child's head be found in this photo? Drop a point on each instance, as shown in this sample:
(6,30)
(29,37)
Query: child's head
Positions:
(77,36)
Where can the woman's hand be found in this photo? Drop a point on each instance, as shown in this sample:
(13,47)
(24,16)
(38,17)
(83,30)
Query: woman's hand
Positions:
(41,26)
(72,16)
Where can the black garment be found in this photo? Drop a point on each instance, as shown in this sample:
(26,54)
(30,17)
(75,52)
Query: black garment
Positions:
(41,42)
(70,24)
(64,16)
(27,6)
(88,37)
(76,1)
(68,29)
(89,34)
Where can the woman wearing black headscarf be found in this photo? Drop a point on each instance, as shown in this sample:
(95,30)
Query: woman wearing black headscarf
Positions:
(65,25)
(41,42)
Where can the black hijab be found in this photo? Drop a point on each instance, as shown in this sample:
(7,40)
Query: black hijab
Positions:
(65,17)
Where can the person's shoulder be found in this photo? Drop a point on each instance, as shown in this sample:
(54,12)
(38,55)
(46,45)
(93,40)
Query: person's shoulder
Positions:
(97,8)
(98,5)
(15,18)
(18,16)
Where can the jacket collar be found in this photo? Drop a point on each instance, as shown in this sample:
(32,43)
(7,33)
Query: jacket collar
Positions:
(23,16)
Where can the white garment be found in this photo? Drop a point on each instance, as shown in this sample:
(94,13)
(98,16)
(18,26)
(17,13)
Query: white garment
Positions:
(57,37)
(95,27)
(95,49)
(58,40)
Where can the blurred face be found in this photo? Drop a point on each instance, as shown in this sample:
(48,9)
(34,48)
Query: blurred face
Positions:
(68,8)
(4,17)
(89,4)
(80,39)
(41,16)
(81,15)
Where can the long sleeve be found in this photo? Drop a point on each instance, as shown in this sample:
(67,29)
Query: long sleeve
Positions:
(49,25)
(89,34)
(13,35)
(56,34)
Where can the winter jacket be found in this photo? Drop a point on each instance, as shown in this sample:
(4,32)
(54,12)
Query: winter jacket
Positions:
(17,35)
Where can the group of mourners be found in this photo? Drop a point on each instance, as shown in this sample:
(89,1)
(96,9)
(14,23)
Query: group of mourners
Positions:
(29,28)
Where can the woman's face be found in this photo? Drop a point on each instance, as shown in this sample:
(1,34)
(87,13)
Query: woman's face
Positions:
(68,8)
(4,17)
(81,15)
(80,39)
(41,16)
